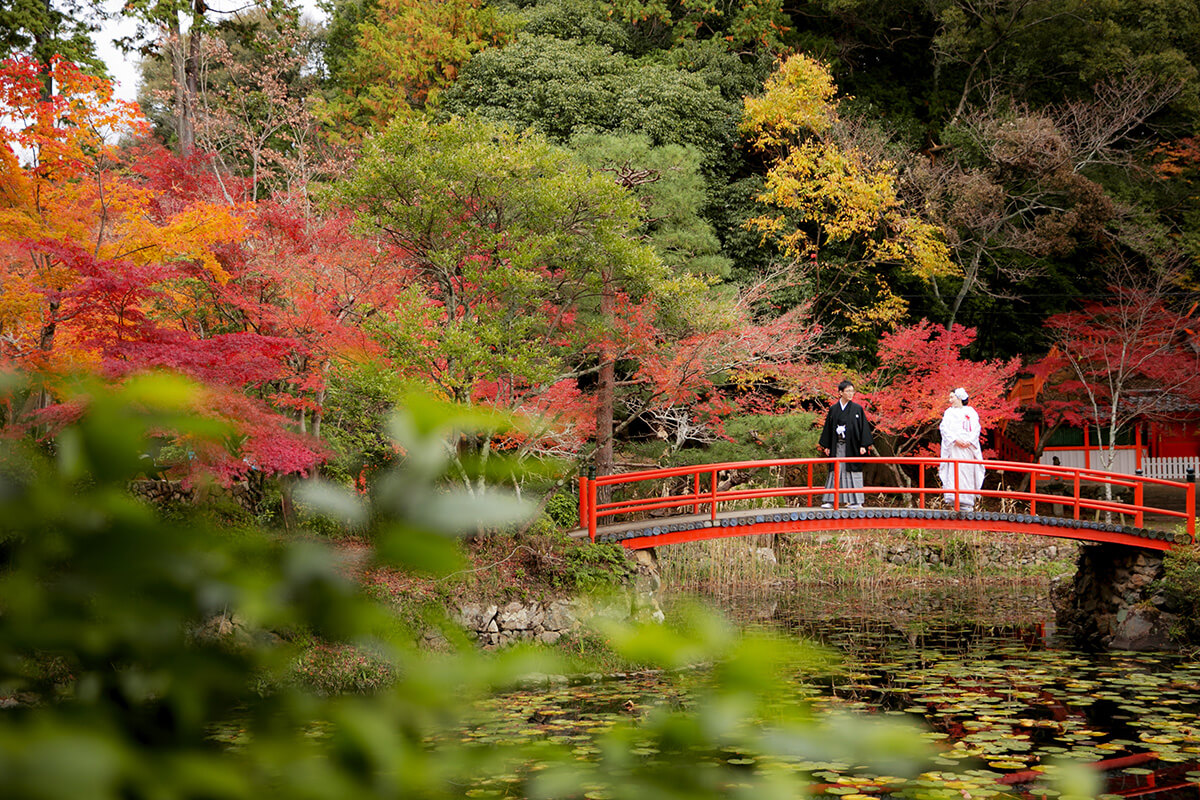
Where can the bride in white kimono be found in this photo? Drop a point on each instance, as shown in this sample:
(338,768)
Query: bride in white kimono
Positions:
(960,440)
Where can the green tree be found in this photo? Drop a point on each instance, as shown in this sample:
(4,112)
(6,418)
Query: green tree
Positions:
(741,26)
(511,244)
(668,183)
(565,88)
(1048,51)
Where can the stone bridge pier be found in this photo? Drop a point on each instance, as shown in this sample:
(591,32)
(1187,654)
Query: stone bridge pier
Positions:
(1114,601)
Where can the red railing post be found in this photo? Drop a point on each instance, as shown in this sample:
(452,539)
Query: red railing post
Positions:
(713,498)
(810,485)
(957,496)
(837,483)
(1191,505)
(1138,498)
(591,507)
(1077,492)
(1033,491)
(921,484)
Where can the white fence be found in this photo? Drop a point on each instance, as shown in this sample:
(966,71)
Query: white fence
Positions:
(1173,468)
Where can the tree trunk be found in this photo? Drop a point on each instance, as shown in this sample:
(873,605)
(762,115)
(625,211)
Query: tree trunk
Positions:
(186,69)
(606,392)
(604,426)
(185,139)
(43,48)
(192,72)
(40,398)
(319,412)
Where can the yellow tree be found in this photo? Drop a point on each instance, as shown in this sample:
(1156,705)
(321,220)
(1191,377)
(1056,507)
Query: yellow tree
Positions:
(832,198)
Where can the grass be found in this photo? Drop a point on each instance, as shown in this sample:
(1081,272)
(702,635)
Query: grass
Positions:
(737,565)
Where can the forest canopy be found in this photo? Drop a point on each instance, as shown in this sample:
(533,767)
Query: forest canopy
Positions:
(624,222)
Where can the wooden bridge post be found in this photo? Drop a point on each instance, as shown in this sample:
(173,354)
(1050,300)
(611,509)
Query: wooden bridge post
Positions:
(1033,491)
(957,495)
(921,485)
(1077,492)
(837,484)
(713,499)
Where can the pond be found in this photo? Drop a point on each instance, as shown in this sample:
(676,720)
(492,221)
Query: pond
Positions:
(982,675)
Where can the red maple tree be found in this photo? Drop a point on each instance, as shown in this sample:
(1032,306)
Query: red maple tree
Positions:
(919,365)
(1130,357)
(106,260)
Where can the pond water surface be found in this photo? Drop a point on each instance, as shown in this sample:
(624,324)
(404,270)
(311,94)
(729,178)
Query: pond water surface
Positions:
(980,672)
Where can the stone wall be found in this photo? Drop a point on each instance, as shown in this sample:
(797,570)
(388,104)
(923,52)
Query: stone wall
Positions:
(1113,601)
(496,625)
(172,492)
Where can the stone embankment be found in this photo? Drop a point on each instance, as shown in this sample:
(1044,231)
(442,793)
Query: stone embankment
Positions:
(496,626)
(1114,601)
(548,621)
(167,493)
(980,556)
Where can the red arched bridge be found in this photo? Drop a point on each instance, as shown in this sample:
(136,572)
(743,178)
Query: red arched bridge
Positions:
(708,501)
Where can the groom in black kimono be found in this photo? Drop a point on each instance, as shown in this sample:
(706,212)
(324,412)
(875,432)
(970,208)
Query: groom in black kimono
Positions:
(846,432)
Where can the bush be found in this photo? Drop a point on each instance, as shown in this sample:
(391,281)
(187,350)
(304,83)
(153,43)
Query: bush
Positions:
(342,669)
(593,567)
(1181,582)
(563,510)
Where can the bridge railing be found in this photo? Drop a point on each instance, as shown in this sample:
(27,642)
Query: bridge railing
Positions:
(1078,489)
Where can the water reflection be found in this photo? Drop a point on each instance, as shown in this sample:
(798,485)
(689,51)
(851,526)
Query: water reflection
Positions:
(999,693)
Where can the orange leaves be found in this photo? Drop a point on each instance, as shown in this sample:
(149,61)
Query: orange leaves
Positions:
(66,130)
(87,250)
(1178,158)
(20,307)
(191,235)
